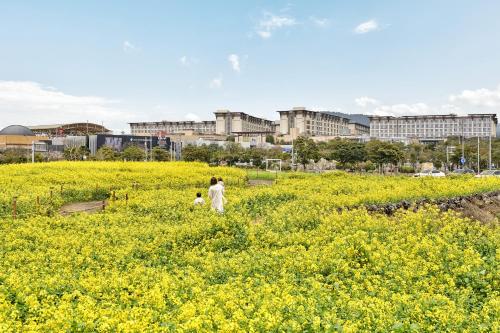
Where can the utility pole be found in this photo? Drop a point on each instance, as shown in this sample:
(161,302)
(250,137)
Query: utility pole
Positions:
(489,153)
(463,149)
(447,159)
(32,151)
(478,158)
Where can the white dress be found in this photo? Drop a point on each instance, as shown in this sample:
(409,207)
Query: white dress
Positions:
(216,194)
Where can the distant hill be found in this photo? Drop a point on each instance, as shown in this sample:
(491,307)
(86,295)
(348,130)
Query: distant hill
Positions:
(355,117)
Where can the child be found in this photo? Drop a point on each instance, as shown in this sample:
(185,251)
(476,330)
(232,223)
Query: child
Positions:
(199,201)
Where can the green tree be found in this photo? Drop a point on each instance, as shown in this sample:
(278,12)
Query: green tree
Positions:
(381,152)
(270,139)
(106,153)
(14,155)
(192,153)
(160,154)
(347,152)
(306,149)
(133,153)
(76,153)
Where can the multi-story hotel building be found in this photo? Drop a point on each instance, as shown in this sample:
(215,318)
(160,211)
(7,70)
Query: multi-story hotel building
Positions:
(172,127)
(432,127)
(228,123)
(300,121)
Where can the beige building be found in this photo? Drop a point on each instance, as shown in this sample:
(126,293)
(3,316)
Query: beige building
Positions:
(228,123)
(20,137)
(358,129)
(172,127)
(432,127)
(300,121)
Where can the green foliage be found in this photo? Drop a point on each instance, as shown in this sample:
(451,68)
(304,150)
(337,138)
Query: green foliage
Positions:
(381,152)
(407,169)
(13,155)
(345,151)
(76,153)
(306,149)
(106,153)
(133,153)
(270,139)
(160,154)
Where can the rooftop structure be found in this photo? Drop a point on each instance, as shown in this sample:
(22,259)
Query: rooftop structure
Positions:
(17,130)
(73,129)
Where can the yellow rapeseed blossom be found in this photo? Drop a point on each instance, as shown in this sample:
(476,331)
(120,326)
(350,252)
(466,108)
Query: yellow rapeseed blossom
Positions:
(281,258)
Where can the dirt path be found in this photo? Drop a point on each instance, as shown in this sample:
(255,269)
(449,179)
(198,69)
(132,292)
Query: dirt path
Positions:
(79,207)
(257,182)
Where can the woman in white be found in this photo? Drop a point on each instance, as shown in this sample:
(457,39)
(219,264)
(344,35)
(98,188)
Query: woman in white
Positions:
(216,195)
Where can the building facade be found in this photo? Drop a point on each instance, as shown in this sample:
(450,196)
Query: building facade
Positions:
(432,127)
(21,137)
(172,127)
(300,121)
(228,123)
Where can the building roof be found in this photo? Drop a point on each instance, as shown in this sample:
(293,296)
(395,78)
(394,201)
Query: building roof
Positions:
(70,128)
(17,130)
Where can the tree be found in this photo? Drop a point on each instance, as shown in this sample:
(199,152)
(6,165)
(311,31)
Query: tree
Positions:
(347,152)
(306,150)
(381,152)
(76,153)
(133,153)
(105,153)
(270,139)
(160,154)
(14,155)
(196,153)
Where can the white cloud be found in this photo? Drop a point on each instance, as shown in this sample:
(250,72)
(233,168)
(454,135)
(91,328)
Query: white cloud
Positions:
(366,101)
(416,109)
(401,110)
(270,22)
(187,61)
(264,34)
(192,117)
(320,22)
(129,47)
(216,83)
(30,103)
(367,26)
(235,62)
(480,97)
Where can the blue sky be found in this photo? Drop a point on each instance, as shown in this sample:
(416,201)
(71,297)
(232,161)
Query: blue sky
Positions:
(121,61)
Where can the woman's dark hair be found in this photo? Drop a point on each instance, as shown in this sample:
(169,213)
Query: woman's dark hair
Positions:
(198,195)
(220,179)
(213,181)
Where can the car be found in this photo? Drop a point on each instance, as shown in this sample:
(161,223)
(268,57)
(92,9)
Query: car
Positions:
(464,171)
(489,173)
(430,173)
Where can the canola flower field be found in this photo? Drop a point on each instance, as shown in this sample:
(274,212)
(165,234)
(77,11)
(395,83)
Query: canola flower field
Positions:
(281,258)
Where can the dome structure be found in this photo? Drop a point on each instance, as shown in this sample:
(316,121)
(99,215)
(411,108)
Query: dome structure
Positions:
(17,130)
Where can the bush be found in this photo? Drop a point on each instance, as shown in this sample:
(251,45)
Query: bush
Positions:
(407,169)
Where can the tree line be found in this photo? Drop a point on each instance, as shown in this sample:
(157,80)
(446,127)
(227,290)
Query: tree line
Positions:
(349,155)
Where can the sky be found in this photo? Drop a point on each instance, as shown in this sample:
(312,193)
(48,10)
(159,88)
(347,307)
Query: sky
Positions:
(115,62)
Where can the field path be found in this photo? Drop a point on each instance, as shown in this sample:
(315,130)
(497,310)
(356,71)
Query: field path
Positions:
(78,207)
